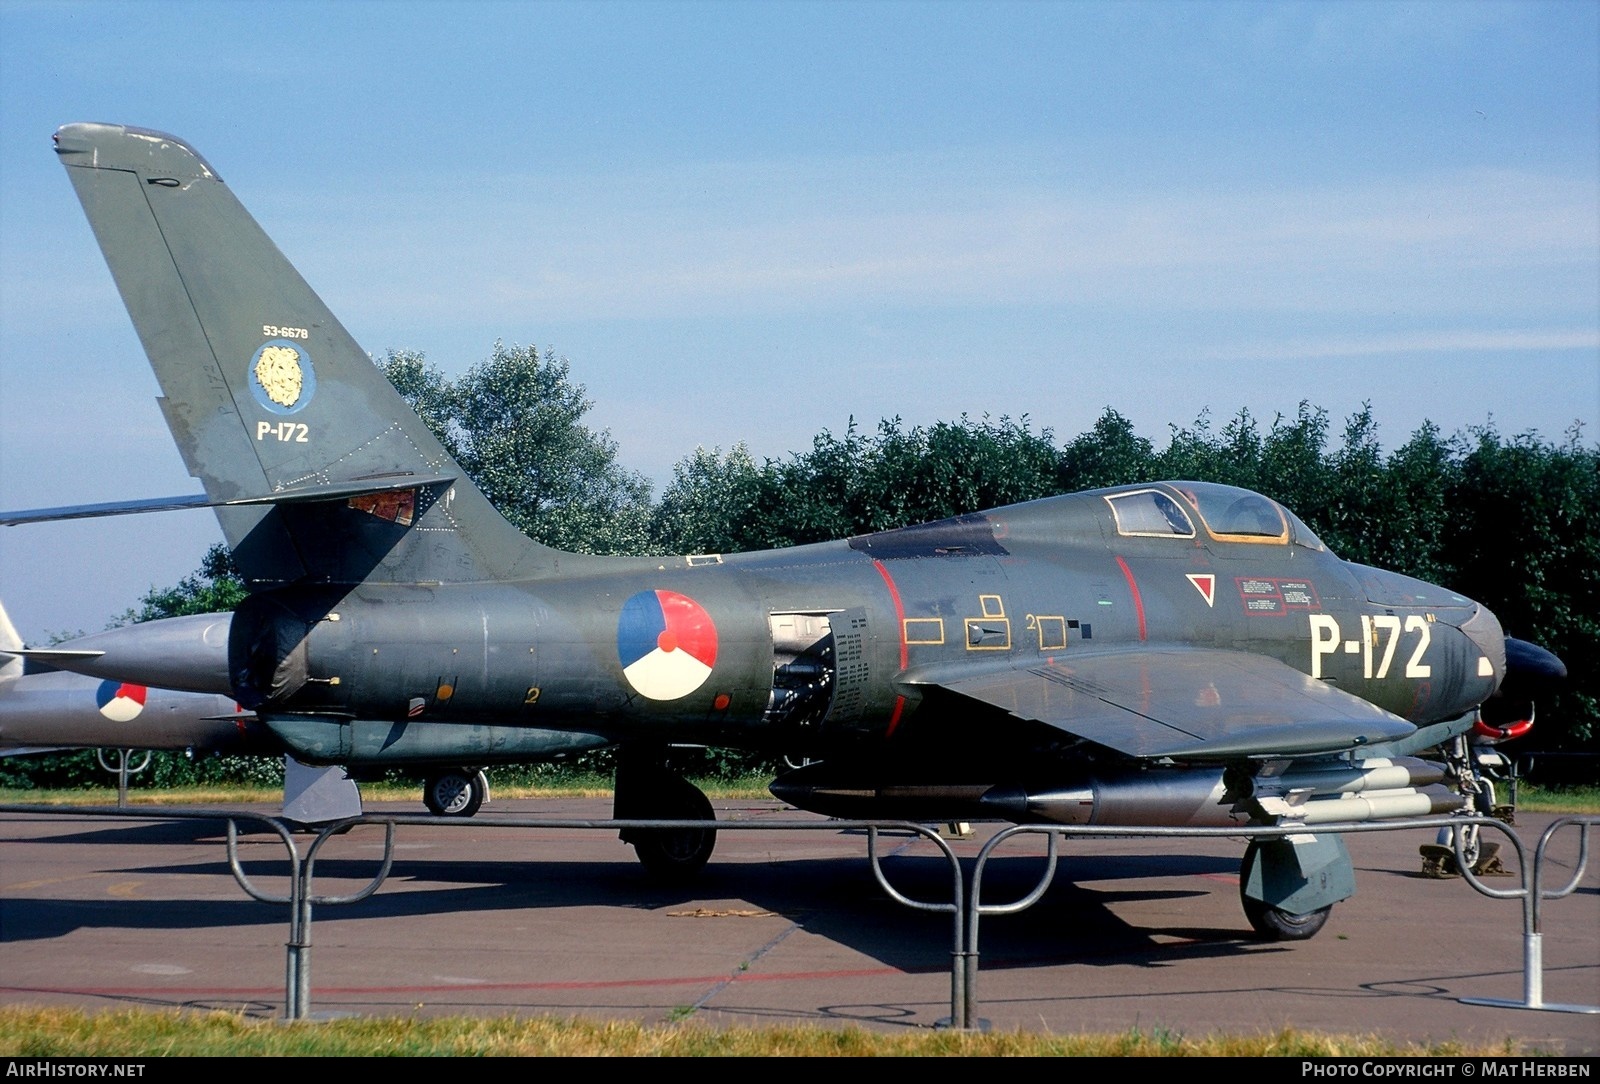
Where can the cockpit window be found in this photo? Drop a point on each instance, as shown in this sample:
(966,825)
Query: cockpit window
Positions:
(1231,514)
(1150,512)
(1301,535)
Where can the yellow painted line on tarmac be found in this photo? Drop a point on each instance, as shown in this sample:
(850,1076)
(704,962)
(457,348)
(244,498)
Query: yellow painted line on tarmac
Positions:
(23,886)
(118,888)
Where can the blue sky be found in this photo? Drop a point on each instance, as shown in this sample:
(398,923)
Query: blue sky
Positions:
(751,222)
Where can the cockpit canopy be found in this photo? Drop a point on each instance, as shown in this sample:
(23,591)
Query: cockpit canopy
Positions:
(1223,513)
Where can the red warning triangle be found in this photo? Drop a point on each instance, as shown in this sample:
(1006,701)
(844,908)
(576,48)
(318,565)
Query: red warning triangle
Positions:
(1206,584)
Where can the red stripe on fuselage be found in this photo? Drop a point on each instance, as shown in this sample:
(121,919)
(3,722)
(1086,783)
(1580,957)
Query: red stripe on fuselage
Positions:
(900,627)
(1133,589)
(899,611)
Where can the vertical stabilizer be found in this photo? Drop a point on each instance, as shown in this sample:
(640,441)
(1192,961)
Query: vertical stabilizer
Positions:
(268,397)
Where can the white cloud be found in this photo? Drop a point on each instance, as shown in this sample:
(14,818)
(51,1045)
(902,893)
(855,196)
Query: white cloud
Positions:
(1452,341)
(773,238)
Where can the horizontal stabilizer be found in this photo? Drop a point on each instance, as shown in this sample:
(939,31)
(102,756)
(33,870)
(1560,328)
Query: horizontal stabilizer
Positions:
(1183,703)
(63,659)
(327,491)
(110,508)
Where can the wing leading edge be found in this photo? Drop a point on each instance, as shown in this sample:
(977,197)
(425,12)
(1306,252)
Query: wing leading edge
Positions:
(1184,703)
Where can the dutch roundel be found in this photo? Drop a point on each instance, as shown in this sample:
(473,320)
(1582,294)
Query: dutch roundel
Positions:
(119,702)
(667,644)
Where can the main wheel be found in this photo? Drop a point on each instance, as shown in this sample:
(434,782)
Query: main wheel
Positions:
(1276,924)
(674,855)
(455,792)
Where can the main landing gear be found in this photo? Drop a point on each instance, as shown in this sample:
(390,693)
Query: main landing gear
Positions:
(1288,886)
(648,789)
(1275,924)
(455,792)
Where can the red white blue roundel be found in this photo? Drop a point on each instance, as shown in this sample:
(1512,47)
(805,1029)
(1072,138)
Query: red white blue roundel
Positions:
(667,644)
(119,702)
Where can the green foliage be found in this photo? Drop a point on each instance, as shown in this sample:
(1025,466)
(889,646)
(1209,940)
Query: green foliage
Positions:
(515,424)
(1527,546)
(52,771)
(82,769)
(853,484)
(1109,454)
(215,587)
(710,503)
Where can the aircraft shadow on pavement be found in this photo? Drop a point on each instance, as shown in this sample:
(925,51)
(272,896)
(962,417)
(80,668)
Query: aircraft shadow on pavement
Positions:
(835,898)
(160,833)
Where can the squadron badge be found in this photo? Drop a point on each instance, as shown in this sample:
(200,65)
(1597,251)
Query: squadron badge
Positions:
(281,377)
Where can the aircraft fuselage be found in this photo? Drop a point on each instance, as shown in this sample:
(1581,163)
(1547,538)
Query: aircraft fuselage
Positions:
(803,649)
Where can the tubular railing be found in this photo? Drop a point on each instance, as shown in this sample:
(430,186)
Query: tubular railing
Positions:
(964,905)
(1532,893)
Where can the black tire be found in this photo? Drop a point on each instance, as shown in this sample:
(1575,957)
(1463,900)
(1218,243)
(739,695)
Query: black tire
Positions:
(1275,924)
(676,855)
(455,792)
(673,855)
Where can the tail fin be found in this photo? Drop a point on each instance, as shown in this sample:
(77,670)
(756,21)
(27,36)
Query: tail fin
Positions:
(272,404)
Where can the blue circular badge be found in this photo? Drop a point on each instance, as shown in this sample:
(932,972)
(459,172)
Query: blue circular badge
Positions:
(282,378)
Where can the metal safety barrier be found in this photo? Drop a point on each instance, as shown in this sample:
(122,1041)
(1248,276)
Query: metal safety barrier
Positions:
(301,899)
(1529,891)
(964,905)
(1532,893)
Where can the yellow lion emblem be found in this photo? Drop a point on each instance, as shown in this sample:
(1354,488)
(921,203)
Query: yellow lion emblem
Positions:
(278,371)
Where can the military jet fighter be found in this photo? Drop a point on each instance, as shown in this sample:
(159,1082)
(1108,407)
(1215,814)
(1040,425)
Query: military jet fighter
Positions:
(43,709)
(186,703)
(1173,653)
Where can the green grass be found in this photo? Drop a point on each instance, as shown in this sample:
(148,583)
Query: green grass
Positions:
(574,786)
(1565,799)
(38,1032)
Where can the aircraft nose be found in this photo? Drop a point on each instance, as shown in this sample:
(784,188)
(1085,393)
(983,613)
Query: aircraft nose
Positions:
(1483,629)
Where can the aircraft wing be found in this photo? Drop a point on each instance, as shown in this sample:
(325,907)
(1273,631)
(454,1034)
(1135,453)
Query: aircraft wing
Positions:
(1184,703)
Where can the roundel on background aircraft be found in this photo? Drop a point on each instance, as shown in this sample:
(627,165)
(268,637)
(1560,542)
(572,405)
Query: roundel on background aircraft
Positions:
(667,644)
(120,702)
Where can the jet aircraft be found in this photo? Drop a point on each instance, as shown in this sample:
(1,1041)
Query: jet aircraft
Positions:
(186,704)
(44,709)
(1173,653)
